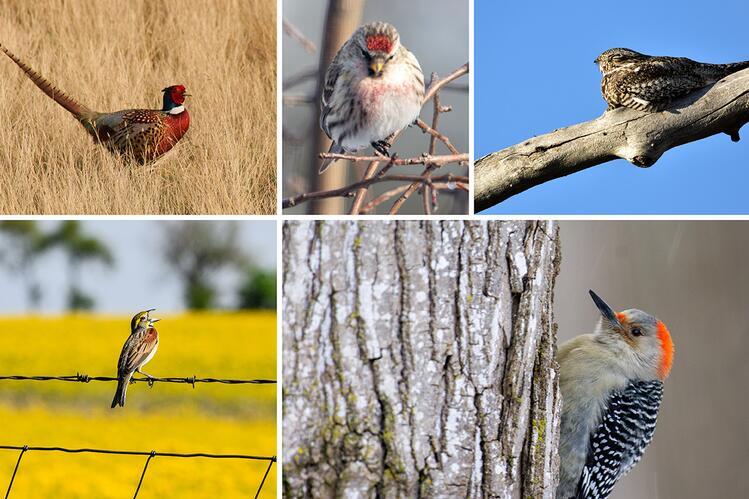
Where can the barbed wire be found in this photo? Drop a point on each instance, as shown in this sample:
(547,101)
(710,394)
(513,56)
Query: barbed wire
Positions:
(150,455)
(85,378)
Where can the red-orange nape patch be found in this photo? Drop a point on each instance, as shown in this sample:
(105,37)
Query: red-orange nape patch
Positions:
(379,43)
(667,350)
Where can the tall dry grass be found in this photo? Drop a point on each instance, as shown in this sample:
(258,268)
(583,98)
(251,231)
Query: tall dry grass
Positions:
(113,55)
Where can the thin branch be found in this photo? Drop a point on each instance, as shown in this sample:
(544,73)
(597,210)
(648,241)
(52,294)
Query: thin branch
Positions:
(299,78)
(348,190)
(424,159)
(440,186)
(640,138)
(297,35)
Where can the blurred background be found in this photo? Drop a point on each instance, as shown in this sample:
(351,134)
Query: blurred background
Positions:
(69,291)
(693,276)
(548,48)
(436,31)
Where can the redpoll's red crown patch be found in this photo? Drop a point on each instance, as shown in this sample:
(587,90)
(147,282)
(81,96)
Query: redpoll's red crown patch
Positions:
(379,43)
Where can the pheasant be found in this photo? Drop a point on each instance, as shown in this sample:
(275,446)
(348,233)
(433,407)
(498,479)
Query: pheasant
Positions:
(140,134)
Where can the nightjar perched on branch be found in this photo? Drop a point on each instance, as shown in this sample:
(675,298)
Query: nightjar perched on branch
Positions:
(649,83)
(373,88)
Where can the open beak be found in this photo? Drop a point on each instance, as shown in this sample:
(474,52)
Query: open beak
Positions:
(605,310)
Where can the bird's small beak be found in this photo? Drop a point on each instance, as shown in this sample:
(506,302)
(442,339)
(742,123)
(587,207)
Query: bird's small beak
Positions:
(376,66)
(605,310)
(154,320)
(187,95)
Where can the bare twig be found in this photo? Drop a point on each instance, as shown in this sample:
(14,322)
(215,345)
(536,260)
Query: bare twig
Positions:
(417,160)
(299,78)
(349,190)
(640,138)
(297,34)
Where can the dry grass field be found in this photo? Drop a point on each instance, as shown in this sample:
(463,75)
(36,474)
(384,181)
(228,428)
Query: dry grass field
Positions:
(112,55)
(212,418)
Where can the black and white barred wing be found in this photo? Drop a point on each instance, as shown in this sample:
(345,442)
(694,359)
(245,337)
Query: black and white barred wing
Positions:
(621,437)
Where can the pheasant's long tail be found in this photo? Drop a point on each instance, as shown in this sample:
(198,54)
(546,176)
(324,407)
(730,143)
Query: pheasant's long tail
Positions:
(77,109)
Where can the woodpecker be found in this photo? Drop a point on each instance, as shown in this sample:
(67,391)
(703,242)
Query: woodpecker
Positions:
(611,383)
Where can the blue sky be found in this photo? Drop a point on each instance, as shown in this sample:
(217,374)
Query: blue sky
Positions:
(535,73)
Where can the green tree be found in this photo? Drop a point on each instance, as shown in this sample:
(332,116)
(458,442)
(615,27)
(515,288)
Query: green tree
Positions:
(24,245)
(258,290)
(196,251)
(80,248)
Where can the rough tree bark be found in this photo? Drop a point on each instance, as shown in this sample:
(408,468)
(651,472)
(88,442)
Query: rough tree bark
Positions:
(640,138)
(419,359)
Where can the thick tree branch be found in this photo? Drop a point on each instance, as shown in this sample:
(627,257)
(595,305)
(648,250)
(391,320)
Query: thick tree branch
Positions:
(640,138)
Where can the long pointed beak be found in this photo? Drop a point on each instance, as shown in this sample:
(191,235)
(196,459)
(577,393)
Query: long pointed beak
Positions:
(605,310)
(152,321)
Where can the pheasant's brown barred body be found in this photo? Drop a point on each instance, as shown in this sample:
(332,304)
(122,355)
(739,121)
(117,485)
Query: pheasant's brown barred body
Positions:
(651,83)
(141,134)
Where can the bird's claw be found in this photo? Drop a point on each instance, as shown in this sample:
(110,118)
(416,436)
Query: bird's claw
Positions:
(382,147)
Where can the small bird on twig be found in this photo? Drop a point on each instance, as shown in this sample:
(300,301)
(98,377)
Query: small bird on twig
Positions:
(142,134)
(139,348)
(649,83)
(373,88)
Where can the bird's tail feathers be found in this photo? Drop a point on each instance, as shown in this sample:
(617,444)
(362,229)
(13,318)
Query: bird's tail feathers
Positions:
(334,149)
(119,395)
(75,108)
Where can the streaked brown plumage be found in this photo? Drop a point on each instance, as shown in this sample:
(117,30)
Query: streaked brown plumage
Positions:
(139,348)
(141,134)
(650,83)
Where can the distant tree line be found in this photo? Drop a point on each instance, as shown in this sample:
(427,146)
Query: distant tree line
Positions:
(195,251)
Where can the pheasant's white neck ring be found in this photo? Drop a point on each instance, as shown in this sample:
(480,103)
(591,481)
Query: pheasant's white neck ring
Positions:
(176,110)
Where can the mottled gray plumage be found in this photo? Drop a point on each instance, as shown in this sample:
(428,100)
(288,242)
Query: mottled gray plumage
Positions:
(373,88)
(649,83)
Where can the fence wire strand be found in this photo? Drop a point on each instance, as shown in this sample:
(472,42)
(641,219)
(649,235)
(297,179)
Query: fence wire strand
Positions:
(28,448)
(85,378)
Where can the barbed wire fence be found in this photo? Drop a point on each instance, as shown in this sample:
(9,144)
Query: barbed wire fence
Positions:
(85,378)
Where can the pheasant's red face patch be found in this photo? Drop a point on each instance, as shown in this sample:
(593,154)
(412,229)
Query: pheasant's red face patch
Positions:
(379,43)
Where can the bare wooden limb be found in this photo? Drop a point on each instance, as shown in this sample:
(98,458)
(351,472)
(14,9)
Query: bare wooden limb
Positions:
(424,159)
(297,35)
(640,138)
(350,190)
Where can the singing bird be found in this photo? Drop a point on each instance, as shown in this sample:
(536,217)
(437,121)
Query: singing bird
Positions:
(140,134)
(139,348)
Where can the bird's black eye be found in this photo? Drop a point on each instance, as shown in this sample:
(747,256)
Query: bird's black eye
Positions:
(636,331)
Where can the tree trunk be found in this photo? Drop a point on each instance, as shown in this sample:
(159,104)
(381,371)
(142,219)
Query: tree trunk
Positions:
(341,20)
(419,359)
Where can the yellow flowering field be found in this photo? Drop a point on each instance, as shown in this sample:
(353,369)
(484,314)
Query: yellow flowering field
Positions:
(212,418)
